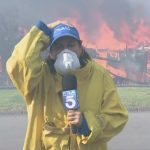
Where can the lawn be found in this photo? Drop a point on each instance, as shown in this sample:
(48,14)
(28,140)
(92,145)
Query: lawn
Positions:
(12,101)
(135,95)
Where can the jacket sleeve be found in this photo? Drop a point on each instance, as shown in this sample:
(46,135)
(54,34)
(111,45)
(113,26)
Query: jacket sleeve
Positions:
(25,65)
(111,117)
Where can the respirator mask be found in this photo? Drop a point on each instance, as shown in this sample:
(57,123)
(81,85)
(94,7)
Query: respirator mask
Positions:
(66,61)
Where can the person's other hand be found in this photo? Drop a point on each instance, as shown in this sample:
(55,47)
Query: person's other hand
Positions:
(74,117)
(54,24)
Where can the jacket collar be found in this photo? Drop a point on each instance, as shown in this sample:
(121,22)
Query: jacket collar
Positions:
(85,72)
(82,74)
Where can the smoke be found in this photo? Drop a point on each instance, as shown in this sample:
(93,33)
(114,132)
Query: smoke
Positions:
(87,13)
(113,11)
(90,14)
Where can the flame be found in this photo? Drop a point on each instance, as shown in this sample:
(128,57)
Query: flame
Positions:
(143,33)
(106,38)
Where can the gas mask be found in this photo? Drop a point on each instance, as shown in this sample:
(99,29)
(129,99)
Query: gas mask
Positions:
(66,61)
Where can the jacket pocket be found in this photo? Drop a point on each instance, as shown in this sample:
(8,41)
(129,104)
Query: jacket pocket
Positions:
(55,138)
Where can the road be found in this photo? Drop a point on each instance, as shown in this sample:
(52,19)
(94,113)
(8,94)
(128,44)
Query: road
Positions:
(135,136)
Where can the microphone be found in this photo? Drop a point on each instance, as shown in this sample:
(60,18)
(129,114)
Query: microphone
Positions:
(69,95)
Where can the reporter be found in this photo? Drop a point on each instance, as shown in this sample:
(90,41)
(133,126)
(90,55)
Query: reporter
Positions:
(101,114)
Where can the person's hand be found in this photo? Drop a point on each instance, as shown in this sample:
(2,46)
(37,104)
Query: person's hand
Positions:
(53,24)
(74,117)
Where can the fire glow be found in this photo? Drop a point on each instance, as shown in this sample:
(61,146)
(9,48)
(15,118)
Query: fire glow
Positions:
(106,38)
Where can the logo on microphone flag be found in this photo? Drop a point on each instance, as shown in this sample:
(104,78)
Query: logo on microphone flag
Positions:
(70,99)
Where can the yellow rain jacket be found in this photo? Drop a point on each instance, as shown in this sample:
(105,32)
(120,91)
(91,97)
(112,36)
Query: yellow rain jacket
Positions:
(47,125)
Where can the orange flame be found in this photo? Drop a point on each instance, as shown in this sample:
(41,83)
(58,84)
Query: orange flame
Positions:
(105,37)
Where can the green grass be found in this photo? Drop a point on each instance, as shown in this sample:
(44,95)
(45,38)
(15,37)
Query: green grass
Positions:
(12,101)
(135,96)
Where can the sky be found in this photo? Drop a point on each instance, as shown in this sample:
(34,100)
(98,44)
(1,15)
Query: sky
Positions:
(88,11)
(89,14)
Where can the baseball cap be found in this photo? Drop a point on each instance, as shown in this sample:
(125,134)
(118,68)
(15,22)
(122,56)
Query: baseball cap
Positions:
(62,30)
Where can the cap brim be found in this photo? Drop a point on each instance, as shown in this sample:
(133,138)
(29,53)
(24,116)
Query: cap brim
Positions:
(63,35)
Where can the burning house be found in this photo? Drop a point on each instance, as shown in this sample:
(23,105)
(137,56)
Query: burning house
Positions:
(118,38)
(128,66)
(115,33)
